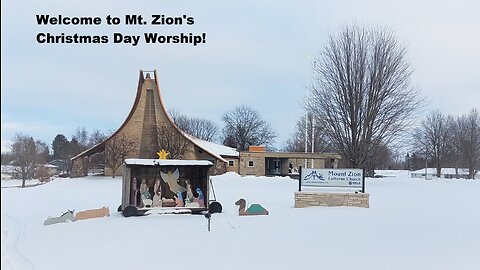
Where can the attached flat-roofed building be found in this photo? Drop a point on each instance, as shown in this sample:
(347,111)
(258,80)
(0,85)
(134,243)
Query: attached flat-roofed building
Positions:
(259,162)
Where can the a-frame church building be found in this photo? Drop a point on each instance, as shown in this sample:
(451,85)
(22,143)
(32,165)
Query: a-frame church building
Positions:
(147,126)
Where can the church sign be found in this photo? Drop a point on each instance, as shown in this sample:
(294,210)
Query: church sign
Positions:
(343,178)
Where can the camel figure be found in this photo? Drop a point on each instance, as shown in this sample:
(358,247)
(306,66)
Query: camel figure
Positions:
(254,209)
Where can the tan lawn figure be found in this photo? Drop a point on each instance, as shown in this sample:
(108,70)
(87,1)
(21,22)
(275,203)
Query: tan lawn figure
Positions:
(93,213)
(254,209)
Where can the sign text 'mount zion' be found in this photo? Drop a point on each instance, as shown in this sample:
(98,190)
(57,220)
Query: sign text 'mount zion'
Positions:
(352,178)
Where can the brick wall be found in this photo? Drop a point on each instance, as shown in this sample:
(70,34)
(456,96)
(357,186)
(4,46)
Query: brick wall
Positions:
(307,199)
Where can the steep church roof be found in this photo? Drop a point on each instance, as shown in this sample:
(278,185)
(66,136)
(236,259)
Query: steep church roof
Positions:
(147,111)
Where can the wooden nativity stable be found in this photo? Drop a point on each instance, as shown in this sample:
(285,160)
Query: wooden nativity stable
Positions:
(166,184)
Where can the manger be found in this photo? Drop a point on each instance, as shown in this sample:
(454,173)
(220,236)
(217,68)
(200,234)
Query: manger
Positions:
(163,184)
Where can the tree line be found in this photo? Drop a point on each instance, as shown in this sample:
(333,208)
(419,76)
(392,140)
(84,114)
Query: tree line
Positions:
(29,155)
(360,104)
(243,127)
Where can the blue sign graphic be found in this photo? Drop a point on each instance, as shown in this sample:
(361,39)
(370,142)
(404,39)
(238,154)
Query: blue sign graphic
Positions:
(314,175)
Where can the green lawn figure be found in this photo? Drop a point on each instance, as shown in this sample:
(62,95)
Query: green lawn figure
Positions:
(254,209)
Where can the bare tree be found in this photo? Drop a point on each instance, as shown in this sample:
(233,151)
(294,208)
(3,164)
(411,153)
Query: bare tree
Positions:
(171,141)
(415,161)
(7,157)
(469,139)
(433,137)
(296,143)
(381,159)
(178,118)
(42,156)
(98,159)
(244,127)
(96,137)
(24,152)
(361,92)
(454,158)
(43,152)
(116,151)
(81,136)
(201,128)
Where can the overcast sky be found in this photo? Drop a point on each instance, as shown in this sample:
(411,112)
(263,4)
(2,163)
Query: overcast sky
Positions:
(256,52)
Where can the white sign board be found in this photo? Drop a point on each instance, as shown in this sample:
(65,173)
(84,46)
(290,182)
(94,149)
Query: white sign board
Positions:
(351,178)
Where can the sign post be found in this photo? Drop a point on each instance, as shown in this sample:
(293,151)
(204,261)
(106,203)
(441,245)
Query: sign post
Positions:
(363,181)
(300,178)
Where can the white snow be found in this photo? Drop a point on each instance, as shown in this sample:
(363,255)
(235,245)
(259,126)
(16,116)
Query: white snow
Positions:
(392,173)
(444,173)
(411,224)
(18,182)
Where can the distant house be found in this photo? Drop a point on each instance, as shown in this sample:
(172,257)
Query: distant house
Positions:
(449,173)
(42,171)
(10,172)
(59,164)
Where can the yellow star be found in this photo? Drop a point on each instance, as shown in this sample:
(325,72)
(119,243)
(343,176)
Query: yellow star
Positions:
(162,154)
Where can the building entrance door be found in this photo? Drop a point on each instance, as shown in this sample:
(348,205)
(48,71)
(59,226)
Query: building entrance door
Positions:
(277,166)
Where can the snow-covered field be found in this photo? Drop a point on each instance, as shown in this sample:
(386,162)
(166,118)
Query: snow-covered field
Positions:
(411,224)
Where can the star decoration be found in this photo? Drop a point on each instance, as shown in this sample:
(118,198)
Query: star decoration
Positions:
(162,154)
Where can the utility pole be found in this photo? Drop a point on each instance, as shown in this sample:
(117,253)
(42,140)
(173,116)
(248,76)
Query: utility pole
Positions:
(306,137)
(426,157)
(313,137)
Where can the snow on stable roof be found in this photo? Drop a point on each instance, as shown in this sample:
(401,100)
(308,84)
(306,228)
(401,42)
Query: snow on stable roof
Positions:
(218,149)
(167,162)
